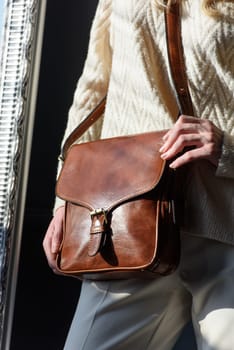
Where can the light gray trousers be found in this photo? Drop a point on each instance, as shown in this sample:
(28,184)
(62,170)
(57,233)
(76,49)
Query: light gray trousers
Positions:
(150,315)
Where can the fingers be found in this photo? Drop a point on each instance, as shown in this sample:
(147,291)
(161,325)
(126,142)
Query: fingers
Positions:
(197,138)
(57,236)
(182,141)
(190,156)
(53,238)
(185,125)
(47,244)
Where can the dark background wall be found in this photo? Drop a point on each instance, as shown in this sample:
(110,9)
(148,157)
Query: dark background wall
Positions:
(45,302)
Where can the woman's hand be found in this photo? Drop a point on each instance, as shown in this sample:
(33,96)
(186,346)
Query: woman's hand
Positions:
(53,237)
(201,136)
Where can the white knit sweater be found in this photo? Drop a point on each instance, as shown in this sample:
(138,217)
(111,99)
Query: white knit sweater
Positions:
(127,60)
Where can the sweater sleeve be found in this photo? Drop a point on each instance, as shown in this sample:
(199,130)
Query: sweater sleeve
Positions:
(93,84)
(226,162)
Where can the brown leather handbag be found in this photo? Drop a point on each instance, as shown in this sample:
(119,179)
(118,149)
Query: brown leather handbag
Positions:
(120,217)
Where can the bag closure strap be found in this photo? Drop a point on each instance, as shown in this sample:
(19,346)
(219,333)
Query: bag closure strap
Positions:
(177,71)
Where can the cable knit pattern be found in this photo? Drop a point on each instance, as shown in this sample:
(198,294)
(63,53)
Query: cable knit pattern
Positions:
(127,60)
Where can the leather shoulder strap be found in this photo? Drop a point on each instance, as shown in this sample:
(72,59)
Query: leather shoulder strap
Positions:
(176,59)
(82,127)
(178,75)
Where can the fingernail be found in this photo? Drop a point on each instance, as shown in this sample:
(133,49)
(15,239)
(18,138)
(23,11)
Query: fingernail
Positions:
(163,156)
(162,149)
(172,166)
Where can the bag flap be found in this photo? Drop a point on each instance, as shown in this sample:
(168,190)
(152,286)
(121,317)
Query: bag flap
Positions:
(101,174)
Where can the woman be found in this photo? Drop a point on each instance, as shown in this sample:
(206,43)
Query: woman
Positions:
(127,60)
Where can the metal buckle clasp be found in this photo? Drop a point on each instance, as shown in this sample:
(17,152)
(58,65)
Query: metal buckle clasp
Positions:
(99,211)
